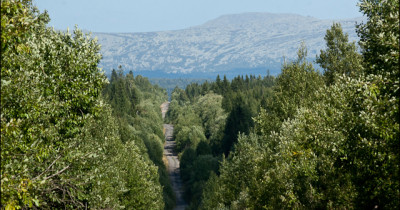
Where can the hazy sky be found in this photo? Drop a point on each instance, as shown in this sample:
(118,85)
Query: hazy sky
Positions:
(159,15)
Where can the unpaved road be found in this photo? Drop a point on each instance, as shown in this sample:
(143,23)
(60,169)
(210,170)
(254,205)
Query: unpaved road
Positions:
(172,161)
(164,108)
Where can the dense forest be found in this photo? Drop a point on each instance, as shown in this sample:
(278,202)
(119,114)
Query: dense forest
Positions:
(303,139)
(170,84)
(71,138)
(207,119)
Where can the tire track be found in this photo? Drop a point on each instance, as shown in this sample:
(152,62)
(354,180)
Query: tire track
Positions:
(172,161)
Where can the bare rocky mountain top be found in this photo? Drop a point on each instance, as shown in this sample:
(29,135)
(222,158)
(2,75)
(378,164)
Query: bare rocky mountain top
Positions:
(242,41)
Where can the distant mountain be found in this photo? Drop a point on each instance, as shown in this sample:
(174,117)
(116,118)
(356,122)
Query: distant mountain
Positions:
(241,42)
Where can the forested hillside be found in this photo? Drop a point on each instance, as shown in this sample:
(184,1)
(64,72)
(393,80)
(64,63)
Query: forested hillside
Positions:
(304,139)
(136,107)
(71,139)
(207,119)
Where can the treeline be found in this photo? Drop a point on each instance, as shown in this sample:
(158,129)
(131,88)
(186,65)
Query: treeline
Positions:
(69,138)
(207,119)
(136,104)
(311,140)
(170,84)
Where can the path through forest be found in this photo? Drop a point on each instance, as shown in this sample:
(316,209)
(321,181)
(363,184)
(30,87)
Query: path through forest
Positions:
(172,162)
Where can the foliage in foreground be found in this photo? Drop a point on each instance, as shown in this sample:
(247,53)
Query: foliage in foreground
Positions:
(335,149)
(61,146)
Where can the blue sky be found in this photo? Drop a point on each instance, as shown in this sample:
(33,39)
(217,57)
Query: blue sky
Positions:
(160,15)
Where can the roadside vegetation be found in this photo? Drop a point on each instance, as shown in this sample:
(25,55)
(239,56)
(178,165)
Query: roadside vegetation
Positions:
(304,139)
(69,137)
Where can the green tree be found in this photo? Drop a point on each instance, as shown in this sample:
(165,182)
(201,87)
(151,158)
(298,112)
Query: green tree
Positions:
(139,121)
(340,57)
(336,147)
(295,87)
(238,173)
(50,85)
(187,159)
(203,149)
(60,146)
(179,95)
(379,128)
(189,136)
(379,38)
(209,108)
(238,121)
(201,169)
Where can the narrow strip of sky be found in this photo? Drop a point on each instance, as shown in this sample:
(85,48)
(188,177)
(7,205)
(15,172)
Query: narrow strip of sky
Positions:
(160,15)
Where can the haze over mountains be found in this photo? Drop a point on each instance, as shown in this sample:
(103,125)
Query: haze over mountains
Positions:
(240,43)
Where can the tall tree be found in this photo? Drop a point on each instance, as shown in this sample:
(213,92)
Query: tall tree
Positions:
(340,56)
(376,158)
(379,38)
(59,143)
(238,121)
(336,147)
(295,87)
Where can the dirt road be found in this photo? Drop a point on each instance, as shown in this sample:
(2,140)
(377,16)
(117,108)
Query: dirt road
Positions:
(172,161)
(164,108)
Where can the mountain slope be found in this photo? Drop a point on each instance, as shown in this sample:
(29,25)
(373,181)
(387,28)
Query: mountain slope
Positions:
(241,41)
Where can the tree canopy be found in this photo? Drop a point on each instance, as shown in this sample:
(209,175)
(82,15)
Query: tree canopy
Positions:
(62,144)
(332,145)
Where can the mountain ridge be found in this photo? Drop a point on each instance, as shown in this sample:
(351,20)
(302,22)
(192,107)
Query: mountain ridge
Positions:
(236,41)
